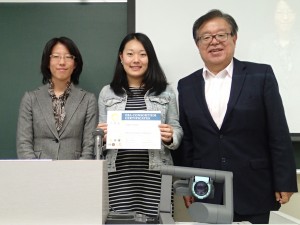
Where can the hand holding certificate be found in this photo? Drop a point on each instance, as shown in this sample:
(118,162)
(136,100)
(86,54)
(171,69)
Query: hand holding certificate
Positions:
(133,130)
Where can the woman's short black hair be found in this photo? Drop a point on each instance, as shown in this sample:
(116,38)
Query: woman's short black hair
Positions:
(214,13)
(71,46)
(154,77)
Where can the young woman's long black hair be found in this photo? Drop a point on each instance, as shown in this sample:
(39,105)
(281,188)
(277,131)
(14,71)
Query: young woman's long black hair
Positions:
(154,78)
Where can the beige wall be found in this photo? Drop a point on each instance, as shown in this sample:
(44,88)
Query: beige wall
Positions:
(292,208)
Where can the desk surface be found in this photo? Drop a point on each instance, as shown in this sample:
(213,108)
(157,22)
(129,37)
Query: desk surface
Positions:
(71,192)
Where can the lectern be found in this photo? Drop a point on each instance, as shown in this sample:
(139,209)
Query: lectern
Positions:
(35,192)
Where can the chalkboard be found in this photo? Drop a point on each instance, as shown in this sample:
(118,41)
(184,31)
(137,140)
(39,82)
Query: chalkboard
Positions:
(96,28)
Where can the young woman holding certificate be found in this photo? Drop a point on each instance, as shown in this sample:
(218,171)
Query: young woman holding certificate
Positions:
(139,83)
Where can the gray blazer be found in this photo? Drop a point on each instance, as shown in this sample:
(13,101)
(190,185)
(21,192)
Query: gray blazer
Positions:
(37,137)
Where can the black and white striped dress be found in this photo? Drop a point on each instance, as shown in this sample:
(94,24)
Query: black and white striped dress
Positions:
(133,187)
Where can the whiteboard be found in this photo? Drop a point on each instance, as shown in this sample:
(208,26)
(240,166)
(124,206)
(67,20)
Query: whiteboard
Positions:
(268,32)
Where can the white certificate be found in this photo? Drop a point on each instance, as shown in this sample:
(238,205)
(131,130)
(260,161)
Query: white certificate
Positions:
(133,130)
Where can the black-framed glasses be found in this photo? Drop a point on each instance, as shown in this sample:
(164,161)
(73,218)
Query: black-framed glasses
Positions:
(207,38)
(66,57)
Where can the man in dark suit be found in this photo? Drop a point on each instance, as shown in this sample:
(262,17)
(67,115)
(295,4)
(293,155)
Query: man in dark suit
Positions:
(233,120)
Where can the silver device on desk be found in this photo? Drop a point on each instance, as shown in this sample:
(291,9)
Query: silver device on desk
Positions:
(129,218)
(98,135)
(197,182)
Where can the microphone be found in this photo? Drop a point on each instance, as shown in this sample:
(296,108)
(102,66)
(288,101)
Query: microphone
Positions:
(98,146)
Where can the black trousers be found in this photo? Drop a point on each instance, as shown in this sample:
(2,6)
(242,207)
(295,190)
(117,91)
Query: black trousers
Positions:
(255,219)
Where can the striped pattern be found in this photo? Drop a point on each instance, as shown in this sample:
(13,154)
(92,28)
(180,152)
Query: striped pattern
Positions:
(137,101)
(133,187)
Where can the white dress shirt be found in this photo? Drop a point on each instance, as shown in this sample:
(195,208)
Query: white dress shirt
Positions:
(217,91)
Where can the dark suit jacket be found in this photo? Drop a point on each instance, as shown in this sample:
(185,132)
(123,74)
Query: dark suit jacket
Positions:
(253,141)
(37,137)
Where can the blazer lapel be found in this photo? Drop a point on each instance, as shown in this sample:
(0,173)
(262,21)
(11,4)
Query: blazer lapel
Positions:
(45,104)
(199,91)
(238,79)
(71,106)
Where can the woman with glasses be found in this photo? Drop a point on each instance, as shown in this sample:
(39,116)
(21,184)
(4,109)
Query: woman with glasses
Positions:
(139,83)
(56,120)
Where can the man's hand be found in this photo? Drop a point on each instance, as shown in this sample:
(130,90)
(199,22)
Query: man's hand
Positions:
(283,197)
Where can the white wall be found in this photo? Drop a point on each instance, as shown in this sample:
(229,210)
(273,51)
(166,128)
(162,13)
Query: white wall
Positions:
(168,23)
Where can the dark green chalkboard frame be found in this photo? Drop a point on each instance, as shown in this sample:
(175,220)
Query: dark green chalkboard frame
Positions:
(97,29)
